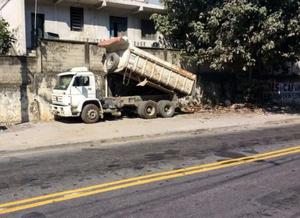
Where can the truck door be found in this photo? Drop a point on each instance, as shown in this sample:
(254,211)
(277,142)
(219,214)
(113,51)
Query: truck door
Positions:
(91,88)
(80,90)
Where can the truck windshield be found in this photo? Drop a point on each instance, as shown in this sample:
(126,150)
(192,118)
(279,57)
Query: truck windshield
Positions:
(63,82)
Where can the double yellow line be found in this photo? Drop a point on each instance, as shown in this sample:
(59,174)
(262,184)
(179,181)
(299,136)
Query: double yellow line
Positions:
(121,184)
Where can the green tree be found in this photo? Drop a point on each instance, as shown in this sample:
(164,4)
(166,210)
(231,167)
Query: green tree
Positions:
(6,37)
(240,35)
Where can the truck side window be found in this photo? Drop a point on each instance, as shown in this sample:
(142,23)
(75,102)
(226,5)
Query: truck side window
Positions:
(86,81)
(81,81)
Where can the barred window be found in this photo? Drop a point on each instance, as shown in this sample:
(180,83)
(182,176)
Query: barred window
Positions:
(76,15)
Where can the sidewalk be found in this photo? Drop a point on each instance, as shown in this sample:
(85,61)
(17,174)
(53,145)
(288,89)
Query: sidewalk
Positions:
(30,136)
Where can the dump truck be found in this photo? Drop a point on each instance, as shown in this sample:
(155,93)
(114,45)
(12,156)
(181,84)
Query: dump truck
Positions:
(77,94)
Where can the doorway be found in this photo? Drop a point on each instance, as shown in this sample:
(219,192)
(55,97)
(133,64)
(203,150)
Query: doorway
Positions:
(38,32)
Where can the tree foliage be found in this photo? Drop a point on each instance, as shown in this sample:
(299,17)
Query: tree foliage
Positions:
(6,37)
(241,35)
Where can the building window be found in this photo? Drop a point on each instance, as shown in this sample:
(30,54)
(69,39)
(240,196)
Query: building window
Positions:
(76,15)
(118,26)
(148,30)
(37,28)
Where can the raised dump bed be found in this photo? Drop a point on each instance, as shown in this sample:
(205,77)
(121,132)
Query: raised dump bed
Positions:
(135,63)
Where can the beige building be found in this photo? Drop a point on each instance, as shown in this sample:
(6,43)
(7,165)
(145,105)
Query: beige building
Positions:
(80,20)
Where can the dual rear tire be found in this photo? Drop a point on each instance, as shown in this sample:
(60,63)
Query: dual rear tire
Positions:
(151,109)
(166,109)
(147,110)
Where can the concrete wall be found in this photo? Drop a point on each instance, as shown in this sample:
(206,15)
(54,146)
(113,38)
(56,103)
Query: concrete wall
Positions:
(58,56)
(16,89)
(283,90)
(13,11)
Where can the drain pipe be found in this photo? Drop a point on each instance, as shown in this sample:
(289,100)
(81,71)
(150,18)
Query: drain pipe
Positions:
(35,22)
(106,86)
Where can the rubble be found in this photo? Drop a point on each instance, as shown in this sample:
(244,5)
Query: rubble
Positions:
(226,108)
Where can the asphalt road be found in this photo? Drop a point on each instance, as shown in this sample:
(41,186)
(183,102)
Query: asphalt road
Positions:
(261,189)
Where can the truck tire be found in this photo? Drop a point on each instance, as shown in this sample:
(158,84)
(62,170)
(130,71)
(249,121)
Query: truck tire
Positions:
(166,109)
(112,62)
(90,113)
(147,110)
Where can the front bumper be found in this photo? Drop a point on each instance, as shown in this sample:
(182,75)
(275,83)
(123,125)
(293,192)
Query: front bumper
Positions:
(63,111)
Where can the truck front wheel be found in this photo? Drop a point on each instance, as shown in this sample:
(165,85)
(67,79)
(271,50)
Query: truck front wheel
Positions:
(90,113)
(147,110)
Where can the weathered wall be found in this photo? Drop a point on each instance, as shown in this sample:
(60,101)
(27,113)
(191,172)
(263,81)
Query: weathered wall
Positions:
(59,56)
(284,90)
(17,102)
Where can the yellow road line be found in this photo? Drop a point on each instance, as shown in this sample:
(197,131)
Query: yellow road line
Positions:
(121,184)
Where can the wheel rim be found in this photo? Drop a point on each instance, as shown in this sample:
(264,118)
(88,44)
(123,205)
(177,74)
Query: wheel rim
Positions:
(167,109)
(150,110)
(92,114)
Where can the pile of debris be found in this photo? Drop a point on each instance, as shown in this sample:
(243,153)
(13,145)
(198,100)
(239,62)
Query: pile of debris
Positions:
(238,108)
(242,108)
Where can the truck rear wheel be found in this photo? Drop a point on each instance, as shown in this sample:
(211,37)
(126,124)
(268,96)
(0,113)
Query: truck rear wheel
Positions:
(166,109)
(90,113)
(147,110)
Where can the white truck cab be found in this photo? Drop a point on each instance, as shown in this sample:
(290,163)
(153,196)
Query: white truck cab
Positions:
(75,95)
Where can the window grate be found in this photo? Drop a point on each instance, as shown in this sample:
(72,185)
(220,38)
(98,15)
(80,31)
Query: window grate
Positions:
(76,19)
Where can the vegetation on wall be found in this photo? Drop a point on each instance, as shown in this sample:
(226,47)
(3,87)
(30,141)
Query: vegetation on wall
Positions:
(6,37)
(239,35)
